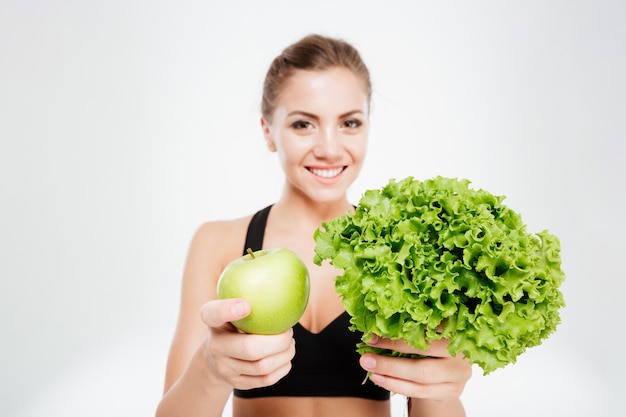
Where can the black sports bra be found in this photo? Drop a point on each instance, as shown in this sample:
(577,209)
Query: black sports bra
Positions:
(326,364)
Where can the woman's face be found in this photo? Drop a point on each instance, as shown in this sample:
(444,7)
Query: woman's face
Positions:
(319,129)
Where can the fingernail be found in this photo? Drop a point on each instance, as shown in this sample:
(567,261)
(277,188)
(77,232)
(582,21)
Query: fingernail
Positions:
(378,379)
(240,309)
(368,362)
(374,340)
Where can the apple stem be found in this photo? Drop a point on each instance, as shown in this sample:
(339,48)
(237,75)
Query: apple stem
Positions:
(251,253)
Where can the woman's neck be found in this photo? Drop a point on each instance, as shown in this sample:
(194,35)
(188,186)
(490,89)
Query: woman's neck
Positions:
(307,210)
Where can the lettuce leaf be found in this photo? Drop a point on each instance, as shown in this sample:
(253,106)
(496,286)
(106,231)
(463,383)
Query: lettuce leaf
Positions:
(425,260)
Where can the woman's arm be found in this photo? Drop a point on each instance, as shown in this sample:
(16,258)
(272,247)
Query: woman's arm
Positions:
(208,356)
(196,393)
(191,388)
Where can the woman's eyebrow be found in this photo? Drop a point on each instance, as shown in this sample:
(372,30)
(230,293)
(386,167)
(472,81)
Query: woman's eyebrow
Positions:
(351,113)
(302,113)
(313,116)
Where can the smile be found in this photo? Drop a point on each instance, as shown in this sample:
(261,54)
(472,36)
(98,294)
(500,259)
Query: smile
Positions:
(326,173)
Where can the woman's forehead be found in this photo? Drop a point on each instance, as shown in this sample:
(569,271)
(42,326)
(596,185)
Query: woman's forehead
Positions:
(336,90)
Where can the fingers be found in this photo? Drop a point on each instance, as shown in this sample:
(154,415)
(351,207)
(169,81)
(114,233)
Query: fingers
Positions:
(244,360)
(217,313)
(424,370)
(438,376)
(433,378)
(252,347)
(248,361)
(437,349)
(246,374)
(225,341)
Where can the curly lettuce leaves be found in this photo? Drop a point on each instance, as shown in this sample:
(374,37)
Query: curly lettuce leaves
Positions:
(435,259)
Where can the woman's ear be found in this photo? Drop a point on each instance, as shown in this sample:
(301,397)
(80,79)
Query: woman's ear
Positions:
(268,135)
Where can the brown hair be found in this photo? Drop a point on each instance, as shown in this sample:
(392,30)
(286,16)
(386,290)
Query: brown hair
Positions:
(316,53)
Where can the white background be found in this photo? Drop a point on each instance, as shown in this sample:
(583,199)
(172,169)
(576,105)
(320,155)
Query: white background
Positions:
(126,124)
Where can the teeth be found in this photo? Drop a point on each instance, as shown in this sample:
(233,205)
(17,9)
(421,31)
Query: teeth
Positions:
(326,173)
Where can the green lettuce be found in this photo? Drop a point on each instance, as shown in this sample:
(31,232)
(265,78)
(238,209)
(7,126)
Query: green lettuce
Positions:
(425,260)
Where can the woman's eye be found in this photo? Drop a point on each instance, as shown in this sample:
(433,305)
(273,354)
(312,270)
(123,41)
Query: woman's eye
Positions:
(301,124)
(352,123)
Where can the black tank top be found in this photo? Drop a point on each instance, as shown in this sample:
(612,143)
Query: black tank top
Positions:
(326,364)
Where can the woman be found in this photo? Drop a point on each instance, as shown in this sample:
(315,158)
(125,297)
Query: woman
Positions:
(315,116)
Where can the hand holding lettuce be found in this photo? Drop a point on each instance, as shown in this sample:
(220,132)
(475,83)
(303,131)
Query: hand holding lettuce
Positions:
(435,259)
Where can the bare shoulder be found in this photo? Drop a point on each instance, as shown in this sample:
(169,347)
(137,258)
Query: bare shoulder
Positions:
(221,241)
(214,245)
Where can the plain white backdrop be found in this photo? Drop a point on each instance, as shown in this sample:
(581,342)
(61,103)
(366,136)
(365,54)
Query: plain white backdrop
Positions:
(126,124)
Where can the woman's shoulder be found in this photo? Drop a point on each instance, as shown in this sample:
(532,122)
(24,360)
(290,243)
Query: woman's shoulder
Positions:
(223,231)
(213,246)
(231,228)
(217,226)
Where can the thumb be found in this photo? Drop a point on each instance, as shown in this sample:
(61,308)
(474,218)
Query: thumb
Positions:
(216,313)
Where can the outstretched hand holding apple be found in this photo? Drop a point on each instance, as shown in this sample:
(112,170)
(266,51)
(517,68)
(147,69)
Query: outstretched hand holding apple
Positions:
(228,352)
(275,282)
(263,292)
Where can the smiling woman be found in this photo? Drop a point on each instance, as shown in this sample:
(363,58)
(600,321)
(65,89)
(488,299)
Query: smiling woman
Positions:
(125,124)
(315,116)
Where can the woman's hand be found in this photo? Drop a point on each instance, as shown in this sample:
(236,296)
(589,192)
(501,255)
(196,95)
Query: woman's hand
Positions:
(242,360)
(437,377)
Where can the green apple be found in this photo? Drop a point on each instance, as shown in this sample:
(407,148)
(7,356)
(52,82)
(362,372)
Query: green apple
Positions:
(276,284)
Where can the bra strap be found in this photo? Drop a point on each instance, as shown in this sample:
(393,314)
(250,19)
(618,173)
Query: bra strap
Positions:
(256,230)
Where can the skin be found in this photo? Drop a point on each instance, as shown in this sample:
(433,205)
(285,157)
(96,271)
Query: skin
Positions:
(319,130)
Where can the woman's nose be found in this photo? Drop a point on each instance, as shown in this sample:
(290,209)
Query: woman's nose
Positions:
(327,144)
